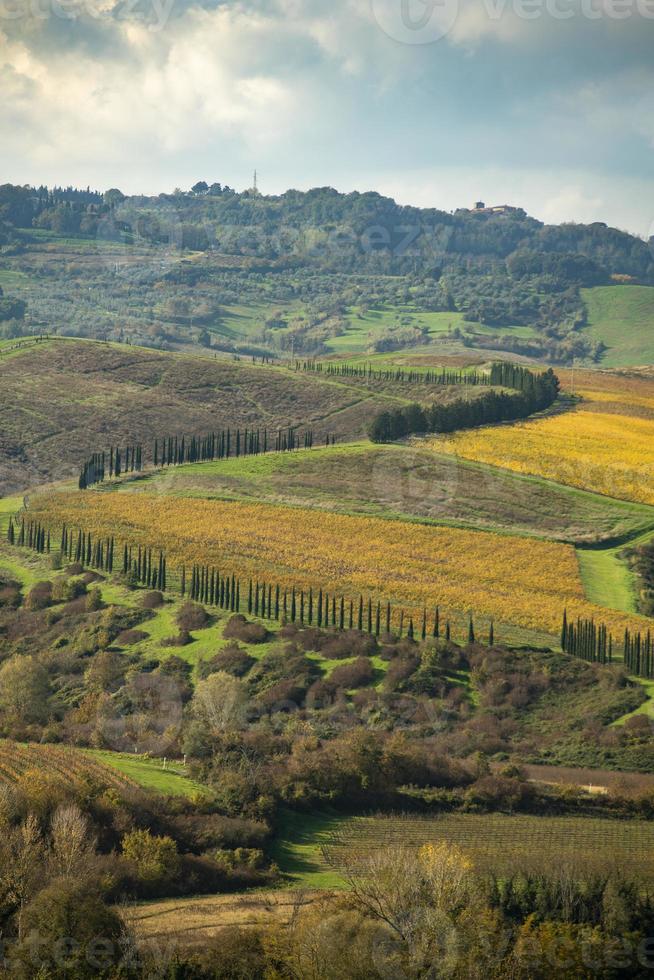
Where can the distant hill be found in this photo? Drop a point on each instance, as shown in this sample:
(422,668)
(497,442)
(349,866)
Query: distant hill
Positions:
(247,273)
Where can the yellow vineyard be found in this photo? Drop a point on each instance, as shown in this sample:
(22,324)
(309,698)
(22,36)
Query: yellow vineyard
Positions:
(605,444)
(515,580)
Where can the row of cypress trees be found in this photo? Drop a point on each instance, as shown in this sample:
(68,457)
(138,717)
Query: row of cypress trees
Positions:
(489,408)
(175,450)
(309,608)
(366,371)
(542,387)
(587,640)
(31,535)
(639,654)
(592,642)
(116,461)
(80,546)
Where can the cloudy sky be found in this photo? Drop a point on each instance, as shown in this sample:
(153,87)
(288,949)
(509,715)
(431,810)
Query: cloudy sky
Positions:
(547,104)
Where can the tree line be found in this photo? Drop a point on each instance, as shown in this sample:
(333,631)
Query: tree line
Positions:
(592,642)
(535,392)
(367,372)
(639,654)
(116,462)
(587,640)
(175,450)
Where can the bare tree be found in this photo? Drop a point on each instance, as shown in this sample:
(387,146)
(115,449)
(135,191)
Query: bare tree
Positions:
(72,846)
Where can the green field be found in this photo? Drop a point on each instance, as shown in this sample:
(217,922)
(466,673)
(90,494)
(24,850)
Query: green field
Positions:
(364,328)
(313,849)
(623,318)
(169,779)
(408,483)
(607,579)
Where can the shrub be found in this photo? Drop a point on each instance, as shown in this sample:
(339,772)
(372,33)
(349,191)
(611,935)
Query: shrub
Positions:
(400,670)
(72,913)
(129,637)
(10,596)
(93,600)
(238,628)
(181,639)
(191,616)
(65,590)
(233,660)
(155,859)
(235,953)
(39,596)
(152,600)
(24,690)
(356,674)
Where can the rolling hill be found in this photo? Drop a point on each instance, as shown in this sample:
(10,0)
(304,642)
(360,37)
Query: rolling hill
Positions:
(64,399)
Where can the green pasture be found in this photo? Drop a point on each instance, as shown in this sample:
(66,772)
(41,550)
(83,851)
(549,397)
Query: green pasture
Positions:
(622,317)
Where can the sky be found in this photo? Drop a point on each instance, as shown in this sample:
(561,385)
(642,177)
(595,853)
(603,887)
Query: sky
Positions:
(545,104)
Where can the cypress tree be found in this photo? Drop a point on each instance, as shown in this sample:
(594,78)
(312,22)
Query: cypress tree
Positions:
(471,631)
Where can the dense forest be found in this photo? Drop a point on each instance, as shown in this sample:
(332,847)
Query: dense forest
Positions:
(312,258)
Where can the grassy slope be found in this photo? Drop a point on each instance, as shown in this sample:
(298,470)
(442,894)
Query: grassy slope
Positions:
(63,399)
(623,318)
(408,483)
(607,579)
(297,849)
(151,774)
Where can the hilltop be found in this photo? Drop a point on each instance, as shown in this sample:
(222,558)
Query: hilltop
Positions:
(310,273)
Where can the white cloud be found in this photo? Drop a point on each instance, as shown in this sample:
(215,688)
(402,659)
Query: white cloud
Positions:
(318,93)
